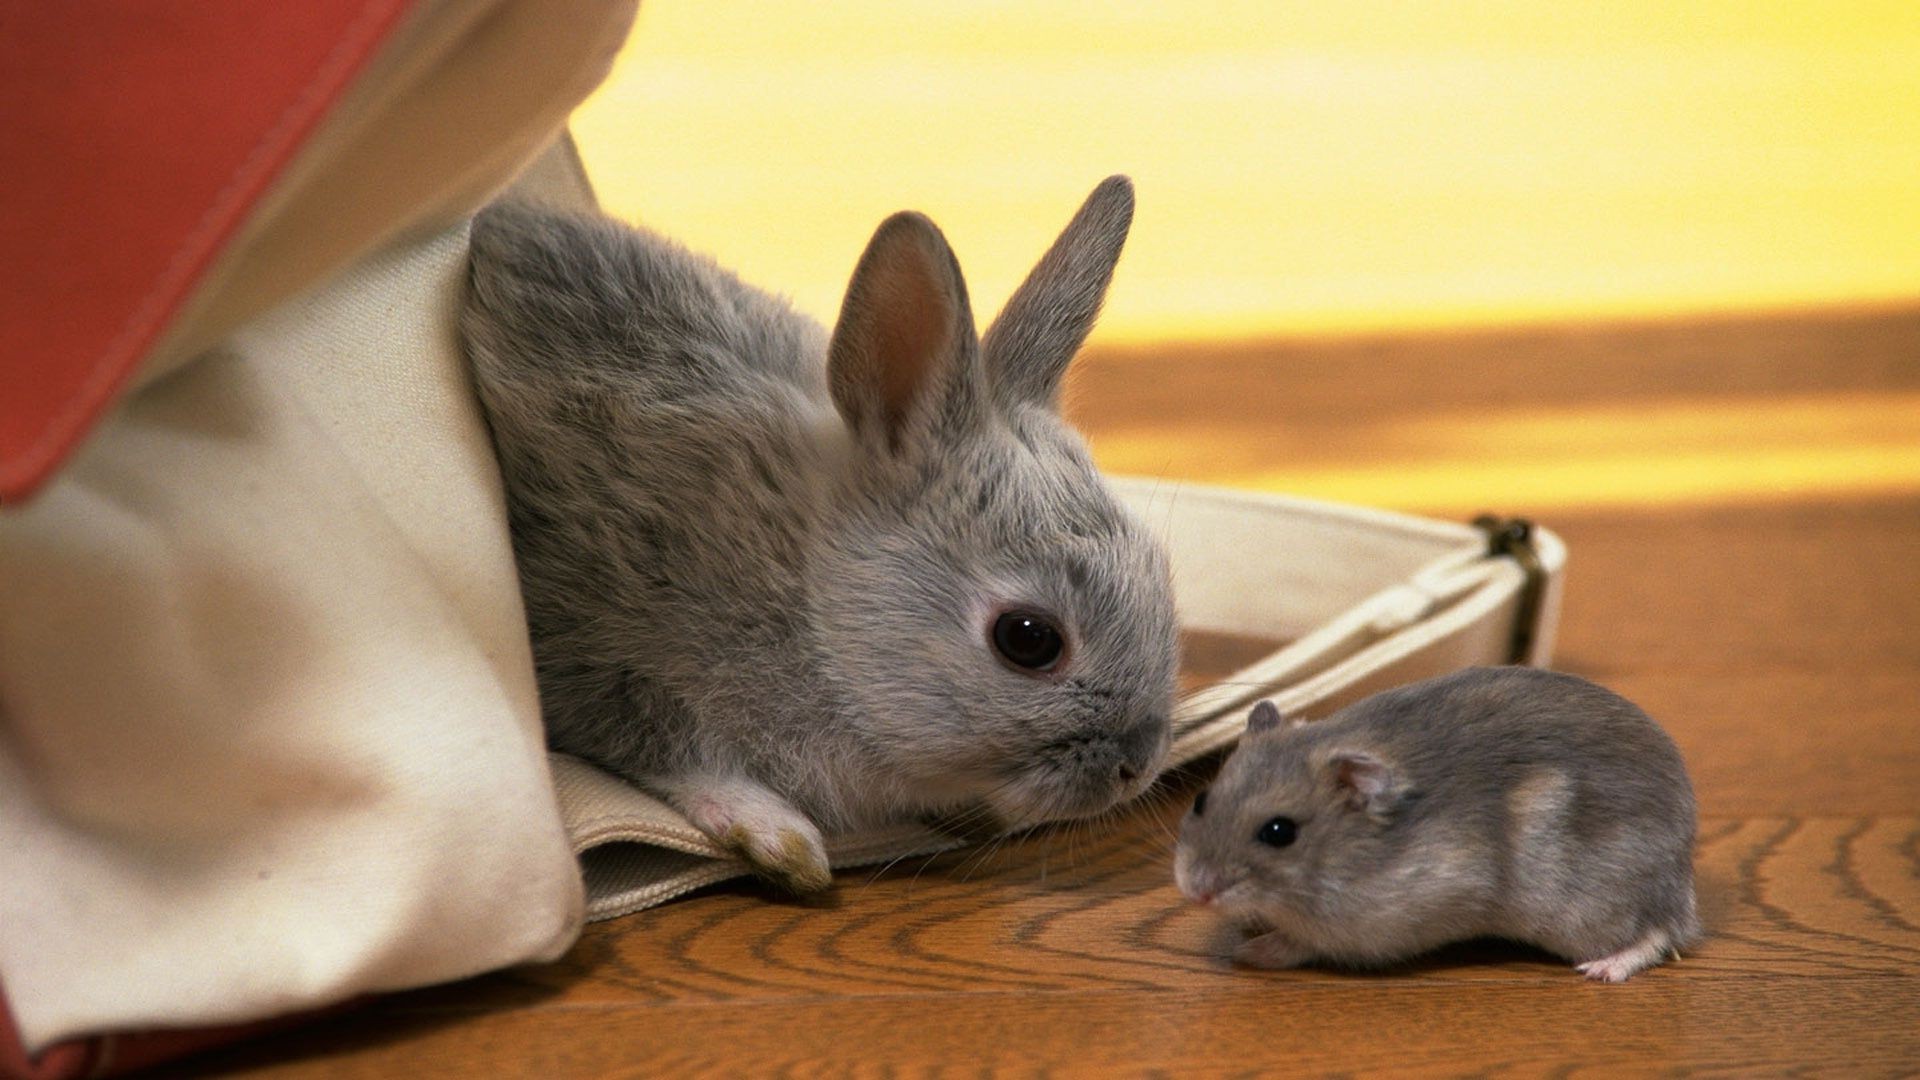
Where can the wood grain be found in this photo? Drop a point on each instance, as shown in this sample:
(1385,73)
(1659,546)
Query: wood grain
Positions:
(1097,965)
(1779,642)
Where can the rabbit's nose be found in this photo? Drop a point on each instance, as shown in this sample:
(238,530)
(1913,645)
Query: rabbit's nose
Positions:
(1140,753)
(1136,764)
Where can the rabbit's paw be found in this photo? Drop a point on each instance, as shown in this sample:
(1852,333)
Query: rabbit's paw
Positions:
(761,827)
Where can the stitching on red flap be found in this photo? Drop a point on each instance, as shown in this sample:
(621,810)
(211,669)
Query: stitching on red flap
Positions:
(328,79)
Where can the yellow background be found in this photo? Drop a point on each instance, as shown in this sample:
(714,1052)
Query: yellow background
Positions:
(1335,167)
(1301,166)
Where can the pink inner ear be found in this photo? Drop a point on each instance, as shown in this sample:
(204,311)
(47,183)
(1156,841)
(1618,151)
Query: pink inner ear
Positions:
(1367,777)
(912,328)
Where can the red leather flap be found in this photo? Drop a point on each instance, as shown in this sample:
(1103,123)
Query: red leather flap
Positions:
(136,138)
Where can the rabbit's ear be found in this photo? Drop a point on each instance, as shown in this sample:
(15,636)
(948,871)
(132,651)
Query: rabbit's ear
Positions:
(904,349)
(1028,347)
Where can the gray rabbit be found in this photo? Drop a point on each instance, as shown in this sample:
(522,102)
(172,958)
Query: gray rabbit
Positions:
(792,582)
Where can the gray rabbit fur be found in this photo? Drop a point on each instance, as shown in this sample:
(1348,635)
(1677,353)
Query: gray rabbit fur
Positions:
(1497,802)
(765,566)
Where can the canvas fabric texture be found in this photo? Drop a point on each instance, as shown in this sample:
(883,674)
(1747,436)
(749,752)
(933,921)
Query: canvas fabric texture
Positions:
(269,738)
(271,734)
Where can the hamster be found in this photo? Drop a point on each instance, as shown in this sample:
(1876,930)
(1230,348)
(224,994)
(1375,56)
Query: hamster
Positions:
(1494,802)
(795,582)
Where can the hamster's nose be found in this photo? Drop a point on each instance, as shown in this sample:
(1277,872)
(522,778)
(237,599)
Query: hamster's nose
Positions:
(1197,884)
(1203,893)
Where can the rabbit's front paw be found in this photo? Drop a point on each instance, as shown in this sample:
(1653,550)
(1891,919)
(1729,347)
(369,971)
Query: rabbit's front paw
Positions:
(761,827)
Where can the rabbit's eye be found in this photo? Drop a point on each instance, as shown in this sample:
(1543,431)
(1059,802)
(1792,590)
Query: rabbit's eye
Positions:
(1028,641)
(1278,833)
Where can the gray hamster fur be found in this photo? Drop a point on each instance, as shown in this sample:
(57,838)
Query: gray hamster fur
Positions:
(1493,802)
(794,582)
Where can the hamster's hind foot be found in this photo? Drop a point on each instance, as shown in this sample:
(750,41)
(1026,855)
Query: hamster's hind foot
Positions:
(1635,958)
(1271,950)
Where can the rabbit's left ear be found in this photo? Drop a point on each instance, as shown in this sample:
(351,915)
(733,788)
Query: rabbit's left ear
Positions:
(903,355)
(1028,347)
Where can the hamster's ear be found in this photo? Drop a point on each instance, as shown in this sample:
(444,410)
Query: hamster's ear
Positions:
(1027,348)
(1266,716)
(1366,782)
(904,351)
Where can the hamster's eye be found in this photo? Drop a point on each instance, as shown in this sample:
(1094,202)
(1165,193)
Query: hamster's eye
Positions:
(1278,833)
(1028,641)
(1200,803)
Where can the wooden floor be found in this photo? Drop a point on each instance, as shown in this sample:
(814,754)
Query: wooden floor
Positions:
(1776,632)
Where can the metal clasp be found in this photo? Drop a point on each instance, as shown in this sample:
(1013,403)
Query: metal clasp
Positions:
(1513,538)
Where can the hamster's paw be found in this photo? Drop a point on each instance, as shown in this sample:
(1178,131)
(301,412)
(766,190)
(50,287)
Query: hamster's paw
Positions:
(1271,950)
(752,821)
(1635,958)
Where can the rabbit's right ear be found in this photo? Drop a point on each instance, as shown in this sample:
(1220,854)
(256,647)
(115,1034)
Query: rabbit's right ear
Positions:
(1028,347)
(904,354)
